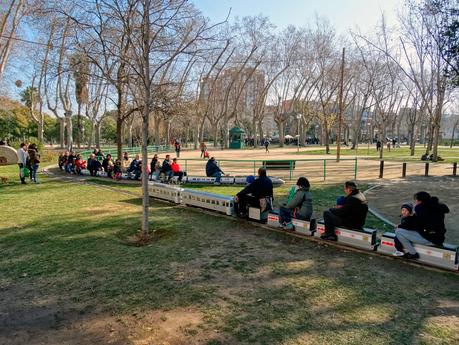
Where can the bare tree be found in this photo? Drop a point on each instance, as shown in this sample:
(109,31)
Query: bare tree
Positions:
(11,14)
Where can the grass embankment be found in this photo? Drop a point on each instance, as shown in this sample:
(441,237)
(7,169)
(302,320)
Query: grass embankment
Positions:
(65,269)
(397,154)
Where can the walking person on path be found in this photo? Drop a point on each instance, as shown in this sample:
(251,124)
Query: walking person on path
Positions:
(266,145)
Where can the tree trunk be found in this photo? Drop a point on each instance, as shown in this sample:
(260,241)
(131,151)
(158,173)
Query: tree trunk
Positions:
(98,125)
(61,132)
(78,133)
(130,134)
(225,137)
(412,139)
(157,131)
(260,130)
(91,135)
(68,116)
(382,138)
(452,135)
(281,133)
(254,127)
(119,138)
(40,130)
(216,136)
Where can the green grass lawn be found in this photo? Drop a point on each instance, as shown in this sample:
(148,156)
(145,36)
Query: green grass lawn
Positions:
(64,249)
(398,154)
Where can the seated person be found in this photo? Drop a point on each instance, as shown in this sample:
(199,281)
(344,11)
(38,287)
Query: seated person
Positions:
(80,164)
(117,170)
(125,162)
(408,221)
(352,215)
(177,170)
(213,170)
(63,157)
(430,219)
(155,168)
(256,194)
(108,165)
(166,168)
(93,165)
(134,168)
(299,205)
(70,164)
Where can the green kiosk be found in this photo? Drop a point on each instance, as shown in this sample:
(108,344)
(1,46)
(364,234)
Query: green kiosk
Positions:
(237,136)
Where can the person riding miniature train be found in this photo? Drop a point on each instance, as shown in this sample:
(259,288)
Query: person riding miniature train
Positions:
(426,227)
(299,205)
(258,194)
(351,215)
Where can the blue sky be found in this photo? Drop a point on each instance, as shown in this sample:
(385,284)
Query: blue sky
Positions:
(343,14)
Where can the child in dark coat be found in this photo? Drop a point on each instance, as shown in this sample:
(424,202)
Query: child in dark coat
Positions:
(408,221)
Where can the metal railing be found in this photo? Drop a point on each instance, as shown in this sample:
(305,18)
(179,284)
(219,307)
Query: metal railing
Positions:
(130,150)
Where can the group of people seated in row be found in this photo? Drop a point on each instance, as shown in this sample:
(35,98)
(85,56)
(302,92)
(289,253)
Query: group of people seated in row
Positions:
(97,162)
(423,224)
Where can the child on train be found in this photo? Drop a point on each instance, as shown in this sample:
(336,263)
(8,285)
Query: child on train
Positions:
(407,222)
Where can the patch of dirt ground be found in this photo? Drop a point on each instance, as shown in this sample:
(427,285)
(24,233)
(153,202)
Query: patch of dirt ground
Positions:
(390,195)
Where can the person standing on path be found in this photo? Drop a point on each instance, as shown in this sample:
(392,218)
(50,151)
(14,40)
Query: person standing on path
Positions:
(266,145)
(22,161)
(178,148)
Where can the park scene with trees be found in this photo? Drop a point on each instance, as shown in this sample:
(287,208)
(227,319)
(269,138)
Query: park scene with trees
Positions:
(138,139)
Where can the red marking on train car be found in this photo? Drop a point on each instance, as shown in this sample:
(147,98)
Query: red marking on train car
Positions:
(390,244)
(337,232)
(273,218)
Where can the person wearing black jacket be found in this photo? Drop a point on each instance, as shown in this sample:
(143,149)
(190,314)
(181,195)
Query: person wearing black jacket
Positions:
(261,188)
(213,170)
(430,218)
(351,215)
(166,168)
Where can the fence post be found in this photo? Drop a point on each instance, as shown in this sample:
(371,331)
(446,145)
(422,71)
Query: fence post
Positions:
(291,170)
(186,164)
(404,170)
(325,169)
(455,169)
(426,172)
(355,169)
(254,169)
(381,169)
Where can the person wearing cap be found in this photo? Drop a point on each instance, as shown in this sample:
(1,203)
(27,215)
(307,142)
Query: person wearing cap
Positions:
(407,222)
(261,188)
(213,170)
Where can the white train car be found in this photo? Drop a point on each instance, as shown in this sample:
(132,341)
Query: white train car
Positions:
(214,202)
(365,239)
(165,192)
(301,226)
(446,256)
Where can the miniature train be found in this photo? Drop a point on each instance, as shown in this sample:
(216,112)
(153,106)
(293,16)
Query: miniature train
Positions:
(445,257)
(225,180)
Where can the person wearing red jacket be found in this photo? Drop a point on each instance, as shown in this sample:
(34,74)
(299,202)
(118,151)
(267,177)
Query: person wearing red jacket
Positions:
(79,164)
(177,170)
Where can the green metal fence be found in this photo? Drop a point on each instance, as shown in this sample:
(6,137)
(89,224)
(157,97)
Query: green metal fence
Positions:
(314,169)
(130,150)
